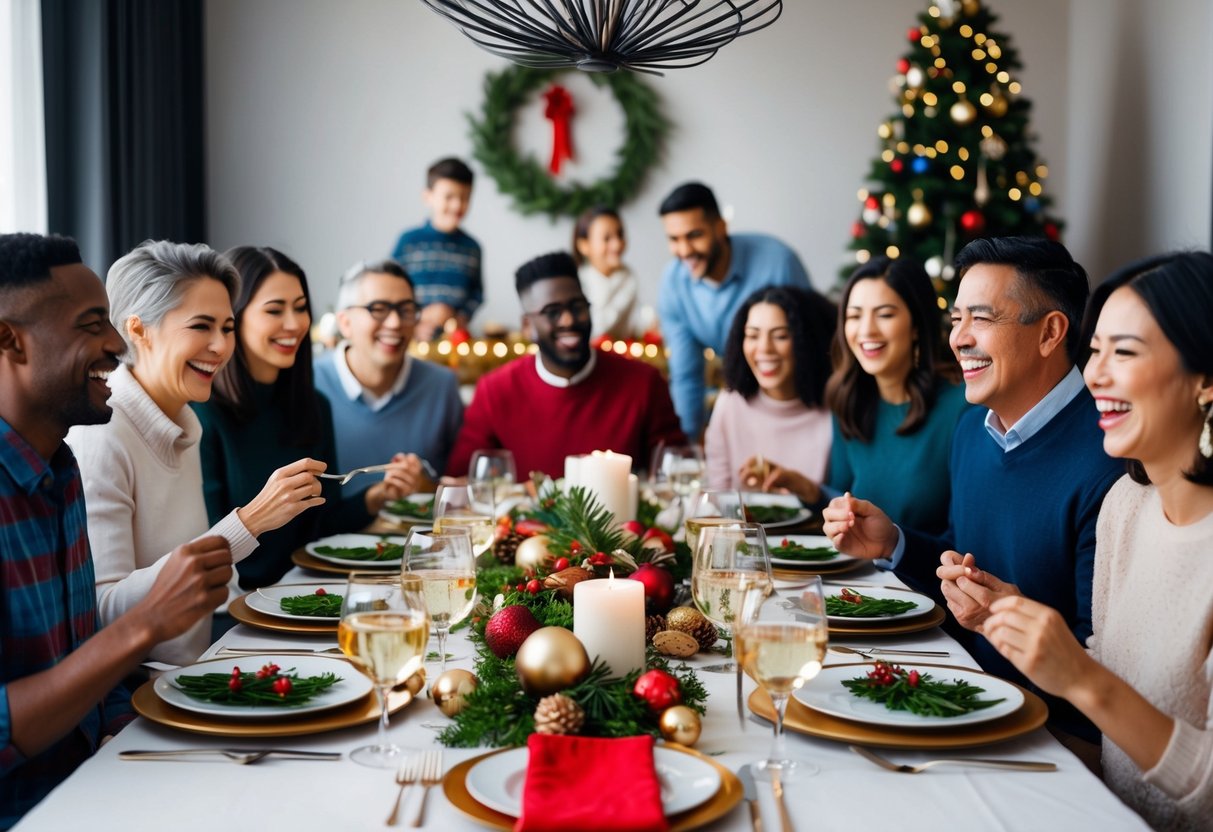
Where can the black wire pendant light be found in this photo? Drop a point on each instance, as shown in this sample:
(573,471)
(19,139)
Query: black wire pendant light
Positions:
(606,35)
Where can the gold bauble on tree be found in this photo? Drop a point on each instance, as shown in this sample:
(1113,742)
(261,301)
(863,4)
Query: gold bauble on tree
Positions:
(533,553)
(680,724)
(963,111)
(918,214)
(550,660)
(450,691)
(998,103)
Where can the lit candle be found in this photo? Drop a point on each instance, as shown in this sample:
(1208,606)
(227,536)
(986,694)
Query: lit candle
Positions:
(608,618)
(605,474)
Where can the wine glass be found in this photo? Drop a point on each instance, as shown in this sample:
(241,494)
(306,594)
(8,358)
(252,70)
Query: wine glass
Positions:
(495,468)
(463,506)
(383,630)
(679,467)
(712,507)
(781,656)
(730,577)
(447,568)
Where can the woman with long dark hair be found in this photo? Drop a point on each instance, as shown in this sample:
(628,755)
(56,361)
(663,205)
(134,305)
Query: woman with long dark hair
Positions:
(265,415)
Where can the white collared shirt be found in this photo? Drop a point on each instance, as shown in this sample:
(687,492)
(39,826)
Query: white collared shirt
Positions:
(1040,415)
(548,377)
(353,387)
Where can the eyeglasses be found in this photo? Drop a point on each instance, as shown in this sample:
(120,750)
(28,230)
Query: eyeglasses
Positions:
(579,308)
(381,309)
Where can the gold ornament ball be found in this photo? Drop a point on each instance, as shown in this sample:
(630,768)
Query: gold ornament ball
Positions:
(997,106)
(680,724)
(416,682)
(532,553)
(450,690)
(963,111)
(551,660)
(918,215)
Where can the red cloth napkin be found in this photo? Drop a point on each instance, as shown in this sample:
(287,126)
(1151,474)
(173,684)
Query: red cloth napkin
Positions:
(591,784)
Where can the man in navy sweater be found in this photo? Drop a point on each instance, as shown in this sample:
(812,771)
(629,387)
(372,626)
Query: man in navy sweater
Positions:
(386,405)
(1028,468)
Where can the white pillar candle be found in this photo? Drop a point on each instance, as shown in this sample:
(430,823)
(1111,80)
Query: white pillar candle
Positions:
(608,618)
(633,497)
(605,475)
(572,470)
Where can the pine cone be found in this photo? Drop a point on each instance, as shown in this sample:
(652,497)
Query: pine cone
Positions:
(653,625)
(694,623)
(505,548)
(558,714)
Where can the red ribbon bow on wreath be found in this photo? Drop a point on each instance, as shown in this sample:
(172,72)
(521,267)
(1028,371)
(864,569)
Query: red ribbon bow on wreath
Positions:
(559,110)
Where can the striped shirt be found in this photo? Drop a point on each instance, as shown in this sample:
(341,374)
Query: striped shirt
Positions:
(48,609)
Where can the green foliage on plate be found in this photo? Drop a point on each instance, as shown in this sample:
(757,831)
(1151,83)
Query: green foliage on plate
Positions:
(383,550)
(789,550)
(324,605)
(918,693)
(423,509)
(770,514)
(850,603)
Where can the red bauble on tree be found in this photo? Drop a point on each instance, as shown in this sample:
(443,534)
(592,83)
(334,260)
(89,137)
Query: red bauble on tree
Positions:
(658,587)
(871,203)
(914,34)
(903,65)
(858,229)
(973,222)
(897,166)
(658,689)
(1052,231)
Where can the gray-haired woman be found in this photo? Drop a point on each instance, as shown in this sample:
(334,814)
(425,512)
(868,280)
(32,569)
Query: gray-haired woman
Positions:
(142,474)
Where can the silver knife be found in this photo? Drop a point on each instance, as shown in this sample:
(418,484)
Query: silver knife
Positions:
(746,775)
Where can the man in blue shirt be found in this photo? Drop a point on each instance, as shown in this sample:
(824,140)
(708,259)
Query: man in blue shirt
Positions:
(385,403)
(701,290)
(59,674)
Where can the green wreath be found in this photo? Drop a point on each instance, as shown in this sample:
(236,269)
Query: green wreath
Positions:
(529,183)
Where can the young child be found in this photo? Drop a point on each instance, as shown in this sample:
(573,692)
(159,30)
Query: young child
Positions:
(609,286)
(441,258)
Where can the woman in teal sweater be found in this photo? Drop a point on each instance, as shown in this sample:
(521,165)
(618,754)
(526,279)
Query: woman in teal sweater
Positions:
(893,394)
(265,414)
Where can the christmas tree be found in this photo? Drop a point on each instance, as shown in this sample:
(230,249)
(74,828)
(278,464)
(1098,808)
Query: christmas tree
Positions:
(956,159)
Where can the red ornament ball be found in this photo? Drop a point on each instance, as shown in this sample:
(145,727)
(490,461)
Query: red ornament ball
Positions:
(1052,231)
(913,34)
(903,66)
(659,690)
(872,203)
(973,221)
(897,166)
(858,229)
(658,587)
(459,336)
(509,627)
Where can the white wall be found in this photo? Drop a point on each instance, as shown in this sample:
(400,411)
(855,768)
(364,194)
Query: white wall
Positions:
(323,116)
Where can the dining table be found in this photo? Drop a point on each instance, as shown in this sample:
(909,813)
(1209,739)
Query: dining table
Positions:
(211,794)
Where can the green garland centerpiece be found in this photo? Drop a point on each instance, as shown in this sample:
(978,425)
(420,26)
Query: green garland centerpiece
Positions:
(531,672)
(533,190)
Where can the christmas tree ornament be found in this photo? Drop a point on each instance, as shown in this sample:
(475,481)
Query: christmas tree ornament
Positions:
(450,690)
(558,714)
(993,147)
(973,222)
(934,266)
(913,34)
(970,7)
(695,624)
(508,629)
(658,587)
(997,104)
(920,165)
(897,165)
(858,229)
(680,724)
(914,77)
(1052,231)
(981,191)
(533,553)
(550,660)
(903,65)
(675,643)
(506,547)
(918,215)
(658,689)
(963,112)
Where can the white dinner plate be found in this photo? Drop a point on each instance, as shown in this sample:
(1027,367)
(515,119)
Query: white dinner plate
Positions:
(922,604)
(393,517)
(685,781)
(758,498)
(811,541)
(827,695)
(352,687)
(268,600)
(351,541)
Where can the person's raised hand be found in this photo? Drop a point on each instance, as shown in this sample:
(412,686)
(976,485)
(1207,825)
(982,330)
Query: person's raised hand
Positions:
(859,528)
(402,478)
(760,474)
(290,491)
(192,582)
(970,591)
(1037,640)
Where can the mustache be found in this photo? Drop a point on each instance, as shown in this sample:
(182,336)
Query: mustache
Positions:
(969,352)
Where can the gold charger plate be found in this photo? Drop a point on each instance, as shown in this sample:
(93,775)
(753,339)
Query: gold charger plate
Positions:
(823,569)
(804,720)
(150,706)
(242,612)
(454,786)
(907,625)
(301,557)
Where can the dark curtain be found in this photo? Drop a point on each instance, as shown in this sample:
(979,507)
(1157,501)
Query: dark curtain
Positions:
(125,131)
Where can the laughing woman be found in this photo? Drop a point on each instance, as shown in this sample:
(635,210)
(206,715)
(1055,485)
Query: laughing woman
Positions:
(1146,680)
(266,414)
(142,473)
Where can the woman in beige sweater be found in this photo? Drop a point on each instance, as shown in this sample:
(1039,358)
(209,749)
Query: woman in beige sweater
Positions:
(1147,677)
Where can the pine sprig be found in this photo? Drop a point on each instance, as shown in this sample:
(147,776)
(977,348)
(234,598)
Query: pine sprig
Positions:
(917,693)
(579,516)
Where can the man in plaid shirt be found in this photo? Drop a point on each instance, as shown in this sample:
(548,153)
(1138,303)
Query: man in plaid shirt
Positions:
(59,674)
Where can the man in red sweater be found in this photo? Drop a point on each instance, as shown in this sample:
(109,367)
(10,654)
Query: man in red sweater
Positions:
(570,399)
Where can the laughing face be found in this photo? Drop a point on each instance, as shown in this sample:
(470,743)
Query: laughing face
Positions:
(879,330)
(176,361)
(378,343)
(448,203)
(700,243)
(1147,401)
(558,318)
(767,347)
(274,325)
(603,244)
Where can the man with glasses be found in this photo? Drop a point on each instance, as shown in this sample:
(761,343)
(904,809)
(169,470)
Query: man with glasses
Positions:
(568,399)
(386,405)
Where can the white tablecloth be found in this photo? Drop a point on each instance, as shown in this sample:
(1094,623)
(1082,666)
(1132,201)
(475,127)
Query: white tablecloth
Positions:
(109,794)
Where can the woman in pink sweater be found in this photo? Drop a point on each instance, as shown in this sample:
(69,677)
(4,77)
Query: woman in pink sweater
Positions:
(1146,679)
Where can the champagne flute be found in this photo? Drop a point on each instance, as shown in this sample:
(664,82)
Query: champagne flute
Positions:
(495,468)
(464,507)
(781,656)
(447,568)
(680,467)
(712,507)
(383,630)
(730,577)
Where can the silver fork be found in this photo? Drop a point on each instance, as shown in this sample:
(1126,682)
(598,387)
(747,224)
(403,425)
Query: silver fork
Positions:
(1006,765)
(342,479)
(431,775)
(886,651)
(268,651)
(240,756)
(406,776)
